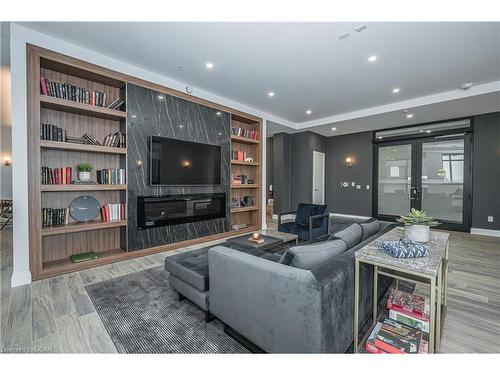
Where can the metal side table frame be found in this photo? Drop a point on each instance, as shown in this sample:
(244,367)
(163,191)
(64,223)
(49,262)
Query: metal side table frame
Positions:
(437,285)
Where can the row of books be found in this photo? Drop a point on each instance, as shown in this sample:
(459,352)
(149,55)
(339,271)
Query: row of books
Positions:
(238,155)
(71,92)
(240,180)
(111,176)
(113,211)
(56,176)
(49,132)
(54,216)
(115,140)
(246,133)
(246,201)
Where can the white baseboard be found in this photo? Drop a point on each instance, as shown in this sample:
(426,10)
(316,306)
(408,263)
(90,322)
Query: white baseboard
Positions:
(20,278)
(485,232)
(351,216)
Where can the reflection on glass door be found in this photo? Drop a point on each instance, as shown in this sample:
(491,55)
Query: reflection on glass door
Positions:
(394,179)
(443,179)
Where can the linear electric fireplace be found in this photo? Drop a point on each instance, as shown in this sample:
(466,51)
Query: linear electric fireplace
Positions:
(179,209)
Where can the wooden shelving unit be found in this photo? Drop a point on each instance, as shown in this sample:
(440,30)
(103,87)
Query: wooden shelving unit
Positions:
(79,147)
(251,216)
(82,227)
(69,106)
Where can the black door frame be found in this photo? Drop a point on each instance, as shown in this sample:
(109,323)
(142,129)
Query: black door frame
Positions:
(416,142)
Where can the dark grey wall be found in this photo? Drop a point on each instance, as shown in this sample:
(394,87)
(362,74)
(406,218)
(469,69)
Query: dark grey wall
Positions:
(349,200)
(292,168)
(148,115)
(269,165)
(486,171)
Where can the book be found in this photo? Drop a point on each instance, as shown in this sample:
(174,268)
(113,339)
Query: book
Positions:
(76,258)
(394,337)
(370,346)
(410,321)
(413,305)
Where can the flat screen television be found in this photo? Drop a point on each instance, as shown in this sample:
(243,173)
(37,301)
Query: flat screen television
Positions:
(177,162)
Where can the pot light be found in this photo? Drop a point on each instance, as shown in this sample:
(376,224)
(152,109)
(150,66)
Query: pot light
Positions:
(409,115)
(333,129)
(209,65)
(395,90)
(372,58)
(270,94)
(308,112)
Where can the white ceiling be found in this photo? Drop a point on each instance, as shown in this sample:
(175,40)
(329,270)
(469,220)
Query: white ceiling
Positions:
(308,67)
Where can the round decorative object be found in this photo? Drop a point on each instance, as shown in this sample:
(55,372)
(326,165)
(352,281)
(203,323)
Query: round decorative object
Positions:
(84,208)
(256,236)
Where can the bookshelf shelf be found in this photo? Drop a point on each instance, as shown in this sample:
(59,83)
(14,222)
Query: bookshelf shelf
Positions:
(81,147)
(244,209)
(244,140)
(245,186)
(80,108)
(82,227)
(242,162)
(82,187)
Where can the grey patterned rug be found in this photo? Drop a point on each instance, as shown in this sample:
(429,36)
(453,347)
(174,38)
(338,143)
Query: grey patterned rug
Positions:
(142,315)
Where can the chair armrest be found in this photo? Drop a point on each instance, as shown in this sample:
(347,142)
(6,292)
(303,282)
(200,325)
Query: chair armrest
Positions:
(317,217)
(285,213)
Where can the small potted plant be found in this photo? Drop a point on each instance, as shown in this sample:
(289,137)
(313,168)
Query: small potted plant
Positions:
(84,171)
(417,225)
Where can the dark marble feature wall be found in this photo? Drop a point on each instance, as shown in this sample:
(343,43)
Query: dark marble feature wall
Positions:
(152,113)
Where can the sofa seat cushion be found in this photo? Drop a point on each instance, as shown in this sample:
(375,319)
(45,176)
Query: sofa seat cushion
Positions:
(191,267)
(350,235)
(369,228)
(310,256)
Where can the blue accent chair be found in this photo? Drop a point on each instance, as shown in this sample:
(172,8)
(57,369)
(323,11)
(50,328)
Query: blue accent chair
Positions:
(311,221)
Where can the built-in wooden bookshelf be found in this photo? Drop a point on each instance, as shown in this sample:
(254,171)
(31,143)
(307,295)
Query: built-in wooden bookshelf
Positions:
(251,146)
(51,247)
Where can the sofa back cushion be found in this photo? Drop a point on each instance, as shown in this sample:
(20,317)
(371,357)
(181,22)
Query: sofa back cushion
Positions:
(350,235)
(306,210)
(308,257)
(369,228)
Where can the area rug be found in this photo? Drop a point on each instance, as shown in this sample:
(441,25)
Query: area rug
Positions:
(142,314)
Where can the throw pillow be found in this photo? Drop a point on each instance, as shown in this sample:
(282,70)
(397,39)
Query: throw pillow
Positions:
(310,256)
(350,235)
(369,228)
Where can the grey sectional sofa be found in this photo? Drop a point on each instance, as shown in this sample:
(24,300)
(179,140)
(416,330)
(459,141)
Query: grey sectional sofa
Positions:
(298,304)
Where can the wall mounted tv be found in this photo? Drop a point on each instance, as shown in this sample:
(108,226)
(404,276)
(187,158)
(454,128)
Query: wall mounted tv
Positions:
(177,162)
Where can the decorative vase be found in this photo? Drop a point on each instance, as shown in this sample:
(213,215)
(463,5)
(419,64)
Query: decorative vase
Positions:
(84,176)
(418,233)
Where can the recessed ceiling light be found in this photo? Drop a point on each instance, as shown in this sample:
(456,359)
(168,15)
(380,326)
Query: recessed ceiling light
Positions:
(209,65)
(395,90)
(372,58)
(409,115)
(344,35)
(333,129)
(361,28)
(270,94)
(218,113)
(406,110)
(308,112)
(160,97)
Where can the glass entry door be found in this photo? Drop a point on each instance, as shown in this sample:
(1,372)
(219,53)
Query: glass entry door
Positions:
(430,174)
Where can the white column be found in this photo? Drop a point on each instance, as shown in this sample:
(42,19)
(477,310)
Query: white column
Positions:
(264,172)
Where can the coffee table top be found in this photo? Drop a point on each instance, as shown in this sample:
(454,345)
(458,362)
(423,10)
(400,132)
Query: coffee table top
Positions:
(428,265)
(269,241)
(287,237)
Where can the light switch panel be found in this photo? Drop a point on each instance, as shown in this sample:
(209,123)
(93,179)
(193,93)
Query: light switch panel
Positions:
(358,187)
(353,183)
(367,187)
(490,219)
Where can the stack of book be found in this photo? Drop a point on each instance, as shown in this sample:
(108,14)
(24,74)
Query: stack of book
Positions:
(239,179)
(238,155)
(54,216)
(71,92)
(246,133)
(410,309)
(111,176)
(79,140)
(91,140)
(116,104)
(114,140)
(56,176)
(49,132)
(113,211)
(246,201)
(389,336)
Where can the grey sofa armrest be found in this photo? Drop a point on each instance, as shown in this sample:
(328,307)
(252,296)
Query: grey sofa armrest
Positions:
(285,213)
(314,218)
(275,306)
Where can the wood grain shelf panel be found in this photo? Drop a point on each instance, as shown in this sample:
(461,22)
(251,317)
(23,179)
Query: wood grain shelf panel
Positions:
(59,266)
(242,162)
(82,227)
(80,108)
(244,209)
(79,147)
(245,186)
(248,141)
(82,187)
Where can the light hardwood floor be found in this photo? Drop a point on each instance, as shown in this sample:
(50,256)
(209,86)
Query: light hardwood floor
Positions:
(56,314)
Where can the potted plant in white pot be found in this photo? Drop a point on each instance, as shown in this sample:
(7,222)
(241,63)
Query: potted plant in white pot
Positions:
(84,171)
(417,225)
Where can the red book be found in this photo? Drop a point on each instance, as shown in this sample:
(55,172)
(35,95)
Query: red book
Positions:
(56,176)
(59,170)
(102,213)
(43,88)
(388,348)
(68,175)
(122,211)
(371,348)
(63,174)
(108,213)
